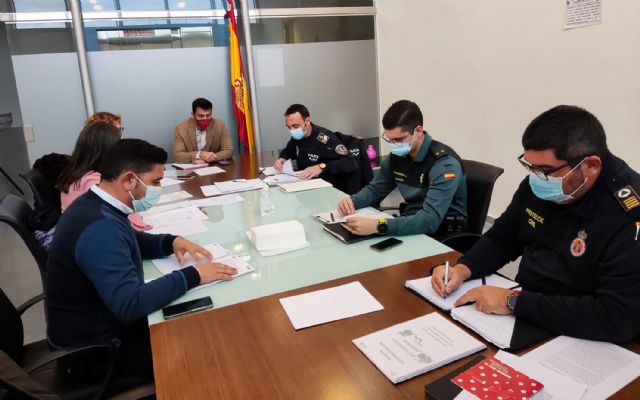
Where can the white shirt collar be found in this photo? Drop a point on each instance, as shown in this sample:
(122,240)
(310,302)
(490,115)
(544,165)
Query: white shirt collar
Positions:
(111,200)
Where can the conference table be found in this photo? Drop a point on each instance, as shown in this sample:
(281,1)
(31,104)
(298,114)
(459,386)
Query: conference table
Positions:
(246,347)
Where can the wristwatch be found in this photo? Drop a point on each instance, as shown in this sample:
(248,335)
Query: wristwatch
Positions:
(383,228)
(512,300)
(322,166)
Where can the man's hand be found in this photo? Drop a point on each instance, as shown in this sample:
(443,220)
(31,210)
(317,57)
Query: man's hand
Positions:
(363,226)
(199,161)
(310,172)
(279,163)
(489,299)
(346,207)
(211,271)
(457,274)
(208,156)
(182,246)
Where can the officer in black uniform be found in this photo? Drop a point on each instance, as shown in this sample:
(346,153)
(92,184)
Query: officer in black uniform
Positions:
(575,221)
(318,151)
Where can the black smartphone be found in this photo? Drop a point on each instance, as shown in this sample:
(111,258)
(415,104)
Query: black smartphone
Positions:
(187,307)
(386,244)
(224,162)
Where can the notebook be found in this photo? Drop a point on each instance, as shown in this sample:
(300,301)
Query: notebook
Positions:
(414,347)
(344,235)
(505,331)
(422,286)
(335,216)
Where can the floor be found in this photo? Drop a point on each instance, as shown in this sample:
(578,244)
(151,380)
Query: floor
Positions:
(20,280)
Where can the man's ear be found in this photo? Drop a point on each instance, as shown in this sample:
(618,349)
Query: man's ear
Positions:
(419,129)
(593,164)
(127,180)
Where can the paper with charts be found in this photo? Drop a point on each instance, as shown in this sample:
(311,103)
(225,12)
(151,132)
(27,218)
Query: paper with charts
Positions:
(414,347)
(220,255)
(327,305)
(603,367)
(423,287)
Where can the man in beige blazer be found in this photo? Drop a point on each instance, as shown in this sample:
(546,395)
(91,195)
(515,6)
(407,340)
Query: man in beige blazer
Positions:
(200,138)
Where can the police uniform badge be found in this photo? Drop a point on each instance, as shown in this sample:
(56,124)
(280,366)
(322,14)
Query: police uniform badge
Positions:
(323,138)
(578,245)
(628,198)
(342,150)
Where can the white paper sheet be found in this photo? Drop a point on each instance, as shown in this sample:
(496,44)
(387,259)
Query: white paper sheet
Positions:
(169,264)
(239,185)
(169,197)
(423,287)
(498,329)
(218,201)
(239,264)
(335,216)
(209,171)
(164,182)
(269,171)
(328,305)
(304,185)
(581,13)
(210,190)
(178,216)
(604,367)
(166,207)
(191,228)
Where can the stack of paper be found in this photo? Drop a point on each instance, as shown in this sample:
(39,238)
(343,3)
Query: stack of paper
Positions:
(603,367)
(417,346)
(209,171)
(234,186)
(335,216)
(177,216)
(220,255)
(278,238)
(498,329)
(329,305)
(304,185)
(169,197)
(423,287)
(268,171)
(164,182)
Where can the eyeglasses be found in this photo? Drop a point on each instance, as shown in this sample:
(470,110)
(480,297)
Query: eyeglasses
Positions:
(394,141)
(543,173)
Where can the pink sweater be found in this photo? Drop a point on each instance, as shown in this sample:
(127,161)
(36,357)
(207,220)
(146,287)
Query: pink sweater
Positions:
(82,185)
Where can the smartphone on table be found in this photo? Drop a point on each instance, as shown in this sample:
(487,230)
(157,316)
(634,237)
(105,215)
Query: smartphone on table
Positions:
(386,244)
(187,307)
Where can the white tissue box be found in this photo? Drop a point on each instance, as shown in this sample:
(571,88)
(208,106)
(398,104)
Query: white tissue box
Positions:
(282,235)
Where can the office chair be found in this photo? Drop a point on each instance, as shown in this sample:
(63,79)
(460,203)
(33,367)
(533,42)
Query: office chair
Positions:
(14,211)
(39,369)
(481,179)
(364,174)
(44,193)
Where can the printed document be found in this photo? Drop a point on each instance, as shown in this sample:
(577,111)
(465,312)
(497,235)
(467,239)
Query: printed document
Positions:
(178,216)
(209,171)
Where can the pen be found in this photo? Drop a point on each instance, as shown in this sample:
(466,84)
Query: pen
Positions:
(332,220)
(446,278)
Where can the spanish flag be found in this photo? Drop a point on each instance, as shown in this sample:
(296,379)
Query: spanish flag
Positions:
(239,94)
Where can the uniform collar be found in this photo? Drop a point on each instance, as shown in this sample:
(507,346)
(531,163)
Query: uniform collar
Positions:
(424,149)
(587,205)
(109,199)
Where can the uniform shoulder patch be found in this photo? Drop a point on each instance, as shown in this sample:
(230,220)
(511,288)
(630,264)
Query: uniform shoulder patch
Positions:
(342,150)
(323,138)
(628,198)
(449,175)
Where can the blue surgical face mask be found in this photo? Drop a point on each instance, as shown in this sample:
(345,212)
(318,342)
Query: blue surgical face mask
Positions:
(402,149)
(150,199)
(551,189)
(297,133)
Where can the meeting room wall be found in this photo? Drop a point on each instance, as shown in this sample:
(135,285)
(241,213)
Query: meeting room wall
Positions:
(482,70)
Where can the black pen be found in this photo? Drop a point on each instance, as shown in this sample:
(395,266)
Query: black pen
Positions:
(332,220)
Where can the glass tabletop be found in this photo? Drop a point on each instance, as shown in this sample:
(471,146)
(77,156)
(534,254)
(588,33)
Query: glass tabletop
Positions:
(325,259)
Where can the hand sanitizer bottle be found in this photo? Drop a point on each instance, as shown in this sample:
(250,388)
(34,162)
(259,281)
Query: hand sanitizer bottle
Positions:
(266,205)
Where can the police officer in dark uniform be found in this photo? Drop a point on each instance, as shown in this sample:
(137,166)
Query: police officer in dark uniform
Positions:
(427,173)
(318,151)
(575,222)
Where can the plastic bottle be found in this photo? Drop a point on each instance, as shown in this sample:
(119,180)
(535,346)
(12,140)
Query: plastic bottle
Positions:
(371,152)
(266,205)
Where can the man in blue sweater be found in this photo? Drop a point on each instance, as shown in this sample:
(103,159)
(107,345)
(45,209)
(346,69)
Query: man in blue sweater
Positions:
(95,286)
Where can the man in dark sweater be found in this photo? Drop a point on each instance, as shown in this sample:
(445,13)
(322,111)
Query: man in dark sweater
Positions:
(575,222)
(95,289)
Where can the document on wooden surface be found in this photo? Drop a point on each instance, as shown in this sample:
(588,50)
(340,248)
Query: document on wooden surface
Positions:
(209,171)
(414,347)
(327,305)
(164,182)
(423,287)
(603,367)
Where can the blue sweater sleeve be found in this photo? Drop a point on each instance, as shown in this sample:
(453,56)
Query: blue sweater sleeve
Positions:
(439,196)
(155,246)
(103,253)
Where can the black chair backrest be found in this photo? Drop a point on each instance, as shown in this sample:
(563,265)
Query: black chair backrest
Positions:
(481,178)
(43,191)
(15,211)
(11,334)
(364,174)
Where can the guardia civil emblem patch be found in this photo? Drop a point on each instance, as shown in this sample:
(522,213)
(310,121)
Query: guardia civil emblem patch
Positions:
(579,244)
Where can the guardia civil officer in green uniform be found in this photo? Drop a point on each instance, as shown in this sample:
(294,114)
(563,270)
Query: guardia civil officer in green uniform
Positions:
(318,151)
(427,173)
(575,222)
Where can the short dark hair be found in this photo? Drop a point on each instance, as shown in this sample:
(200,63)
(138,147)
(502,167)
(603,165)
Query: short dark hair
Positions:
(130,154)
(297,108)
(404,114)
(570,132)
(201,102)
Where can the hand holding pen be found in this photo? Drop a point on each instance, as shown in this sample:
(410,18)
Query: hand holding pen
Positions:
(446,280)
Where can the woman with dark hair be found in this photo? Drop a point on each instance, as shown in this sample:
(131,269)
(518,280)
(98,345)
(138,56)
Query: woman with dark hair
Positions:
(82,171)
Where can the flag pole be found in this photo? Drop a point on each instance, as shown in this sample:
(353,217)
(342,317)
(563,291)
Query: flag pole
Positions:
(252,82)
